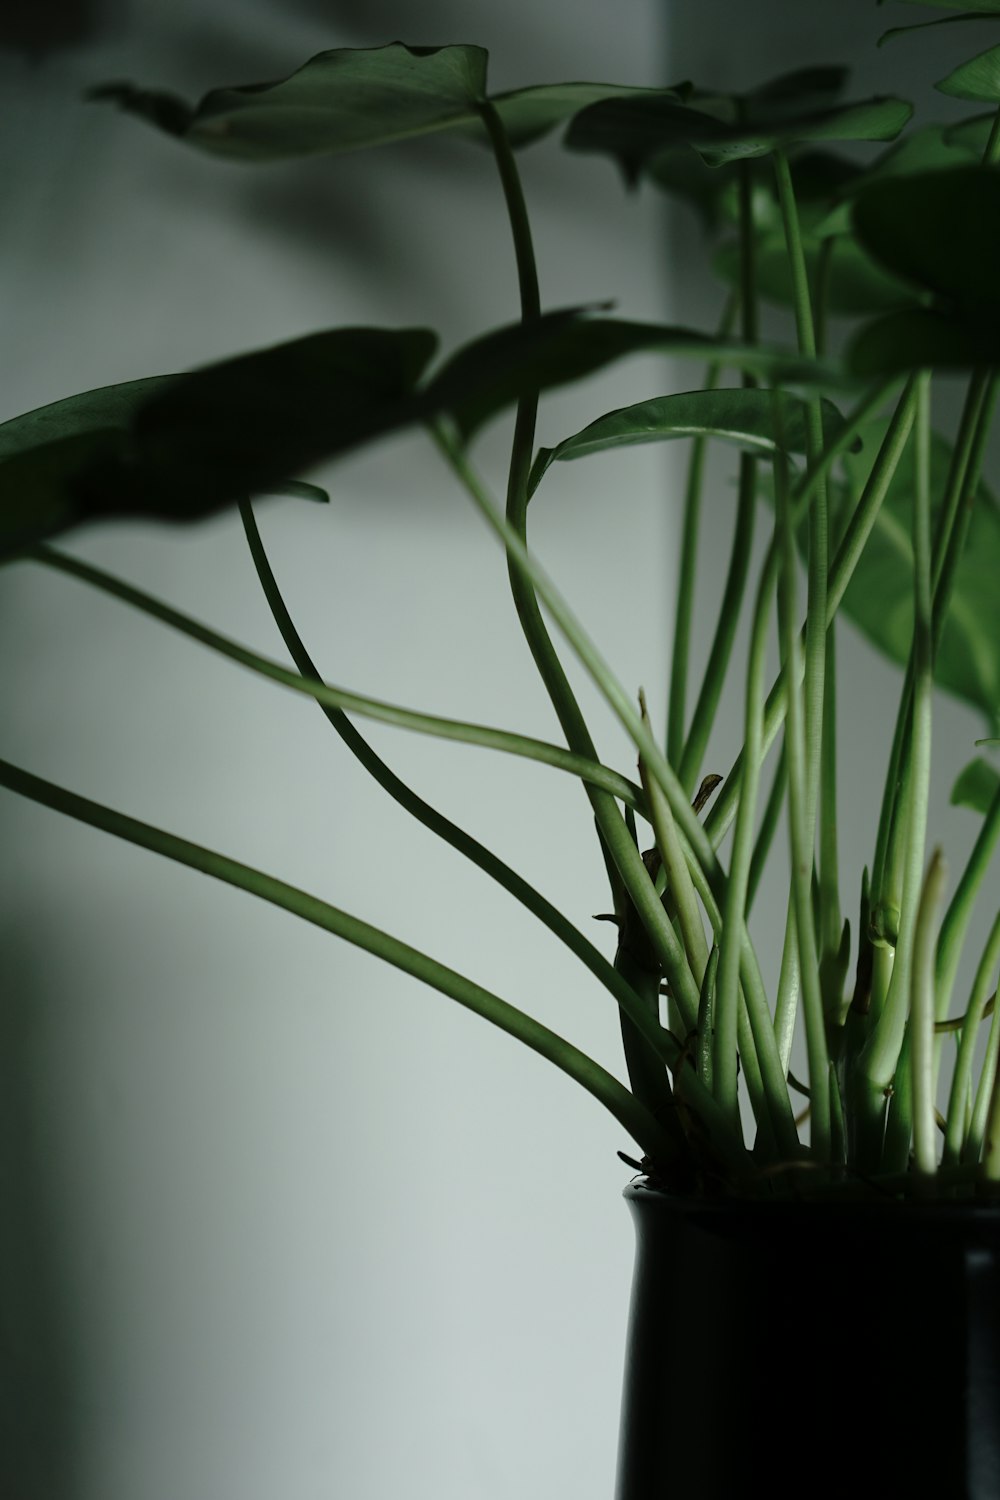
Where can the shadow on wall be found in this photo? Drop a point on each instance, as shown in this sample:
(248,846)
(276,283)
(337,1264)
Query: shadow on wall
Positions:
(38,1387)
(38,29)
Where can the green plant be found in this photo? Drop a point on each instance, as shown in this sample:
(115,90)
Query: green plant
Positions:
(887,271)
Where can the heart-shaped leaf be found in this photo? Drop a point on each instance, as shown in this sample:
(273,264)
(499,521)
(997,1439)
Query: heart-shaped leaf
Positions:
(755,420)
(350,98)
(977,79)
(976,786)
(879,597)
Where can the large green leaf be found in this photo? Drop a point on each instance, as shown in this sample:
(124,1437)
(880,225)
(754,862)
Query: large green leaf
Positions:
(896,31)
(978,79)
(183,446)
(350,98)
(879,597)
(637,130)
(940,230)
(757,421)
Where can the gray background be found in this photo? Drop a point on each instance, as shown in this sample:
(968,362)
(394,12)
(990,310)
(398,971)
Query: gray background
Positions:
(277,1221)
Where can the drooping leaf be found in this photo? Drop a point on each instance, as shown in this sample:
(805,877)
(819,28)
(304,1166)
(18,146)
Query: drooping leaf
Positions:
(637,130)
(755,420)
(183,446)
(940,230)
(977,79)
(880,596)
(350,98)
(494,371)
(977,785)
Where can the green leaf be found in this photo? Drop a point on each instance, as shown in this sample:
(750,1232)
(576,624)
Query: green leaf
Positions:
(855,282)
(637,130)
(976,785)
(180,447)
(298,489)
(496,370)
(746,418)
(879,597)
(993,744)
(920,338)
(977,79)
(940,230)
(351,98)
(971,135)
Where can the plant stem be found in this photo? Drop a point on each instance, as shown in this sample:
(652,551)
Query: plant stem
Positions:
(922,1016)
(848,553)
(425,814)
(768,825)
(746,510)
(628,1111)
(877,1062)
(801,843)
(961,1142)
(727,1000)
(956,921)
(687,567)
(676,869)
(340,698)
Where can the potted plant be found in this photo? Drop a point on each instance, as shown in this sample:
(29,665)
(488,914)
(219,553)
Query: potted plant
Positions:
(886,269)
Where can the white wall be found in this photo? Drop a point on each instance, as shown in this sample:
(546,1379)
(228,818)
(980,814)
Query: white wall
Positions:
(293,1225)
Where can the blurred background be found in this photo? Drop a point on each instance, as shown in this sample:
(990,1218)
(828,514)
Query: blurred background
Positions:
(275,1220)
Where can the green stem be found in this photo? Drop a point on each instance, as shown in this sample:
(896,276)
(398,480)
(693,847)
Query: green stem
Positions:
(801,842)
(956,921)
(690,761)
(848,553)
(340,698)
(687,569)
(880,1054)
(427,815)
(678,876)
(727,1002)
(629,1113)
(957,1146)
(768,825)
(922,1017)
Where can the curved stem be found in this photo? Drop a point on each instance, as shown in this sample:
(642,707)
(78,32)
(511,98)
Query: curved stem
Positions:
(334,697)
(429,816)
(627,1110)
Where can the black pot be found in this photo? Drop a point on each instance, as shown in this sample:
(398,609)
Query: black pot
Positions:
(812,1349)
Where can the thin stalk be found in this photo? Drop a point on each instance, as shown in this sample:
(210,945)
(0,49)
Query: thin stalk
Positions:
(706,1020)
(630,1114)
(727,1003)
(922,1017)
(801,842)
(789,987)
(957,1132)
(819,525)
(688,564)
(616,843)
(746,509)
(341,698)
(848,553)
(675,867)
(768,826)
(425,814)
(880,1054)
(956,921)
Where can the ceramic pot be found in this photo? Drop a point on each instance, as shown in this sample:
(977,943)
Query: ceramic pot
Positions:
(808,1350)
